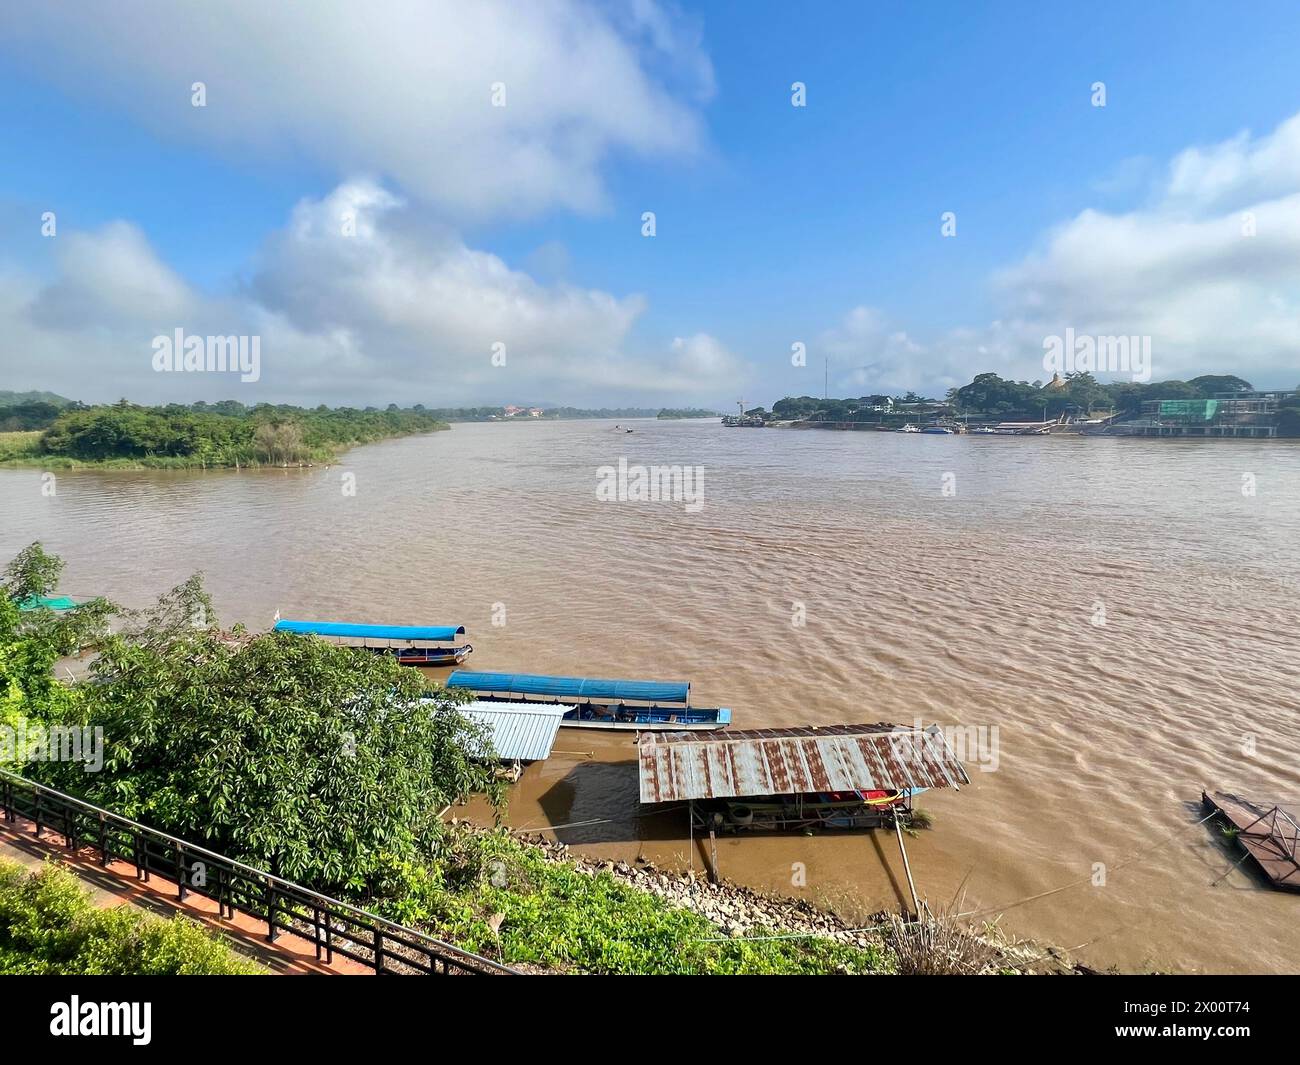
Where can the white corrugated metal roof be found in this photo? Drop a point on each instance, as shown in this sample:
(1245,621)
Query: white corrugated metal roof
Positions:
(522,732)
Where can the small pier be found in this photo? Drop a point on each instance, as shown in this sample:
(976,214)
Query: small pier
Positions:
(1269,832)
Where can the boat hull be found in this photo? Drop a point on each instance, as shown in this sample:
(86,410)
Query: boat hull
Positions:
(425,656)
(645,726)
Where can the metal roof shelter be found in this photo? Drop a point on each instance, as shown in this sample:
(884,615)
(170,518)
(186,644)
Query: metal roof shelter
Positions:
(371,632)
(648,691)
(521,732)
(677,766)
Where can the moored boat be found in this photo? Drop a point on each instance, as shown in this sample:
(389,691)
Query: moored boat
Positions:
(409,644)
(627,705)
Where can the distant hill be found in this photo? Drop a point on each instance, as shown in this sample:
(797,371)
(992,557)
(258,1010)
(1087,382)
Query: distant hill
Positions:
(13,399)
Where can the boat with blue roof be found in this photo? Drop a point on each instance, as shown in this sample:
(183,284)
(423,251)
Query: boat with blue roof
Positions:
(411,645)
(631,705)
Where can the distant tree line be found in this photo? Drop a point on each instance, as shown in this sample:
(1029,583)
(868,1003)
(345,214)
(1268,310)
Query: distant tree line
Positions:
(487,414)
(991,394)
(687,412)
(26,417)
(997,397)
(221,434)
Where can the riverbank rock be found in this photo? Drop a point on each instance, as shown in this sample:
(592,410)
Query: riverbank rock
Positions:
(740,911)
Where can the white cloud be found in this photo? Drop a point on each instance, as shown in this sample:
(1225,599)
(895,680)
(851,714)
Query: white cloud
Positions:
(1208,267)
(704,359)
(360,298)
(402,90)
(108,278)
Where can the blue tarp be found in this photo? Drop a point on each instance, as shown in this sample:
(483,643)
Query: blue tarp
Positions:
(647,691)
(372,632)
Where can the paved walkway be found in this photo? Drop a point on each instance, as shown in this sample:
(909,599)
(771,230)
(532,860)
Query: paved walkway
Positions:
(116,885)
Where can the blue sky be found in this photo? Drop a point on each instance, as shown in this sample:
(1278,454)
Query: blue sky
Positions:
(775,224)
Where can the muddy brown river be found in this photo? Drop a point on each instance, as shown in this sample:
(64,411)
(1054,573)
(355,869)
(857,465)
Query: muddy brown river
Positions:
(1112,625)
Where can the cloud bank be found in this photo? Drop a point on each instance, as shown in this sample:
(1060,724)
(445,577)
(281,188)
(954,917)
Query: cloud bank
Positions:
(485,109)
(358,295)
(1208,267)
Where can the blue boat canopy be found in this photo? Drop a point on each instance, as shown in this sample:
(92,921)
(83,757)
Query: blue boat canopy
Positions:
(648,691)
(372,632)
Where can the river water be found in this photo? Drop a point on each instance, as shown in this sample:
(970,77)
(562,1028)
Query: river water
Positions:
(1113,622)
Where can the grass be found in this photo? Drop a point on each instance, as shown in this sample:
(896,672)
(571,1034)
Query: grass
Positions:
(19,445)
(498,897)
(938,946)
(50,926)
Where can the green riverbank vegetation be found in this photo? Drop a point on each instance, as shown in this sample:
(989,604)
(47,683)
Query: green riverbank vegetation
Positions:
(49,926)
(204,435)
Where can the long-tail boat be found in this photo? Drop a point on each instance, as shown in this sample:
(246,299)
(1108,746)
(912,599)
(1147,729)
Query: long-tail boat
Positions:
(409,644)
(632,705)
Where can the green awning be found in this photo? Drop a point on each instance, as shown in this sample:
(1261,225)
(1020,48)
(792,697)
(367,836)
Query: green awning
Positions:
(46,602)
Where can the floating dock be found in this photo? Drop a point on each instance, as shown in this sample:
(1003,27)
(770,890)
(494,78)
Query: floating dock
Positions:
(1269,832)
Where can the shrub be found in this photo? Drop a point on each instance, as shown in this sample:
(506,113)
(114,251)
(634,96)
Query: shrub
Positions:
(49,926)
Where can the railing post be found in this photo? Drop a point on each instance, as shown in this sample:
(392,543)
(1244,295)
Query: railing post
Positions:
(103,841)
(180,872)
(271,932)
(37,813)
(379,949)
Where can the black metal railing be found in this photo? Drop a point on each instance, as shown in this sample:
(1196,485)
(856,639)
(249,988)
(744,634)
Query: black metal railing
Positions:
(333,927)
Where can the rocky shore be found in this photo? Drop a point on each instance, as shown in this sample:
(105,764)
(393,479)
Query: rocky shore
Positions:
(740,911)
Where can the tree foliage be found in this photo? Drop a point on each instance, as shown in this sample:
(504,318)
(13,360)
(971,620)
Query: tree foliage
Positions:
(223,434)
(31,573)
(329,765)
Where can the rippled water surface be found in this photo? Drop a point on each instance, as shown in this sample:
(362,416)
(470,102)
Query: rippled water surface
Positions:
(978,608)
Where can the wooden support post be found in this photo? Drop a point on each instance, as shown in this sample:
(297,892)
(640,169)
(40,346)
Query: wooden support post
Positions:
(690,839)
(713,853)
(907,868)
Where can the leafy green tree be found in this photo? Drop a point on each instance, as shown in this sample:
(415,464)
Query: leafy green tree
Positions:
(32,573)
(1209,385)
(329,765)
(175,615)
(1083,390)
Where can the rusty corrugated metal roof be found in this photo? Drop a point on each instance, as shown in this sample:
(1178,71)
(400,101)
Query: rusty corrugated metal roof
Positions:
(786,761)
